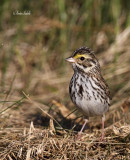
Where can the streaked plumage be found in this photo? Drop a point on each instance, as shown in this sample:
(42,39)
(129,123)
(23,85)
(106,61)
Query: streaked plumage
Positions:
(88,90)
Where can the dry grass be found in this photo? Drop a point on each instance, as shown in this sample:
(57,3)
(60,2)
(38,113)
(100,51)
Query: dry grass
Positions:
(37,143)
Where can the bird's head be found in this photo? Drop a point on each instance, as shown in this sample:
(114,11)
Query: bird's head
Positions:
(83,59)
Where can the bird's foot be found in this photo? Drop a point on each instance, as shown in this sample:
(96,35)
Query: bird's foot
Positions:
(101,140)
(78,137)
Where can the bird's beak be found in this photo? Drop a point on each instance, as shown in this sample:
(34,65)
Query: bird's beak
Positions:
(70,59)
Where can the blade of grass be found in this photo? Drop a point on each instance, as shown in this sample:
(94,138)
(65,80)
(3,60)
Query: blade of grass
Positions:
(10,88)
(7,101)
(27,96)
(16,103)
(71,112)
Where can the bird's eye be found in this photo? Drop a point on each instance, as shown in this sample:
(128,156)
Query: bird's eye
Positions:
(82,58)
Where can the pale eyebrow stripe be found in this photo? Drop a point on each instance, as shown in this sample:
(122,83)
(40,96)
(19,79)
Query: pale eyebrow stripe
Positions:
(81,55)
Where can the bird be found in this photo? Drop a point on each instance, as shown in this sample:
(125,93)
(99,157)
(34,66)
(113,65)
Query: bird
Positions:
(88,90)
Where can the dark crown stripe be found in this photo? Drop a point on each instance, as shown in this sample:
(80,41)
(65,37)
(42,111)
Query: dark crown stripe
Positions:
(82,49)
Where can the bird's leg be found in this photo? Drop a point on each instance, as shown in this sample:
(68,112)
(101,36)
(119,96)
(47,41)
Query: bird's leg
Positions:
(79,134)
(103,120)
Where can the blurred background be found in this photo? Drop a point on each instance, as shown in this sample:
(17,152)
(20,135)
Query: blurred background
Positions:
(35,39)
